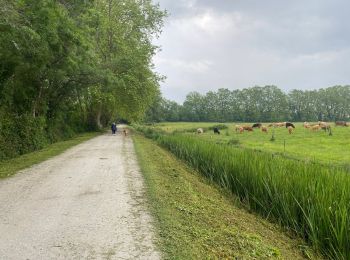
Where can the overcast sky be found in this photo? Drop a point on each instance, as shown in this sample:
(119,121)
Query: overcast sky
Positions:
(235,44)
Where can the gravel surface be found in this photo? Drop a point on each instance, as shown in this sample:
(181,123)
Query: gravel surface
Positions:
(87,203)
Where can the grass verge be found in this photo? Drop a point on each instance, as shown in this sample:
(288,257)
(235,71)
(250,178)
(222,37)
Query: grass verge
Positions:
(197,220)
(12,166)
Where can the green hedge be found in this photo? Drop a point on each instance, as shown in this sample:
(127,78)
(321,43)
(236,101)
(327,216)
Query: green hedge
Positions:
(20,135)
(23,134)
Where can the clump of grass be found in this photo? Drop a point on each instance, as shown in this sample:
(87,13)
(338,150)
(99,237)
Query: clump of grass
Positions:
(311,199)
(149,132)
(233,142)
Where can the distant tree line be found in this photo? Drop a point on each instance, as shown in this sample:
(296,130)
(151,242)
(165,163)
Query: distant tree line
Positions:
(256,104)
(68,66)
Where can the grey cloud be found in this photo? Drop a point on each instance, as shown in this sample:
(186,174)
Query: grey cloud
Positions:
(210,44)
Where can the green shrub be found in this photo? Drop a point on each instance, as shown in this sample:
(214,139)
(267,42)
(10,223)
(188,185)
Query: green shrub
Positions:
(24,133)
(233,142)
(21,134)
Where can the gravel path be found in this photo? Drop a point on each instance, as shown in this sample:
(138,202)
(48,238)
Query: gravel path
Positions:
(87,203)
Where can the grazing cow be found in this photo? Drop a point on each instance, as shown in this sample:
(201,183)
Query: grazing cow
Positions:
(248,128)
(326,127)
(264,129)
(216,130)
(288,124)
(306,125)
(237,128)
(200,131)
(315,127)
(241,130)
(257,125)
(341,123)
(290,129)
(280,124)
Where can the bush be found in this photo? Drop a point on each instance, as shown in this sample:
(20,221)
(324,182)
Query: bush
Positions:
(21,134)
(24,133)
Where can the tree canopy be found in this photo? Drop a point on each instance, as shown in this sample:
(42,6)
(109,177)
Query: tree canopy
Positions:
(257,104)
(76,65)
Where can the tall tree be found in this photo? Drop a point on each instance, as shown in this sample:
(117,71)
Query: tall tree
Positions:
(70,65)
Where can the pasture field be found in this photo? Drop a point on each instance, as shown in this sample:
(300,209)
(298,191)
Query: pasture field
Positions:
(302,144)
(305,196)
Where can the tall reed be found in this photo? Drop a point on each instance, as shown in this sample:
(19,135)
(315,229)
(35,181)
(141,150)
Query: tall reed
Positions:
(311,199)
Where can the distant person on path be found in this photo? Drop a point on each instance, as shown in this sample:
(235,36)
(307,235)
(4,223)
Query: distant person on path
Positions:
(114,128)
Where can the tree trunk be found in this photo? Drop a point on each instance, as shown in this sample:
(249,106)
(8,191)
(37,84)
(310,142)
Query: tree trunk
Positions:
(98,117)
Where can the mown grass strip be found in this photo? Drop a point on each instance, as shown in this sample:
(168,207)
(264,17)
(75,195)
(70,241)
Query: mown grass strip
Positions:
(196,220)
(310,199)
(12,166)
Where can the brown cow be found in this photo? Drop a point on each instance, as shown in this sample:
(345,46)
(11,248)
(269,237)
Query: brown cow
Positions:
(341,123)
(315,127)
(280,124)
(248,128)
(306,125)
(290,129)
(325,127)
(264,129)
(241,130)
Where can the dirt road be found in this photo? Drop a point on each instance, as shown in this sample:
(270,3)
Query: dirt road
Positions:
(87,203)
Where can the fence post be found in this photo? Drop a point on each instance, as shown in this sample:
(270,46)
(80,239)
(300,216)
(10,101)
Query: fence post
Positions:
(273,135)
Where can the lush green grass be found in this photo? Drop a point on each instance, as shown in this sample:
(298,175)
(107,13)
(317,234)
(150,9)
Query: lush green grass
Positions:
(198,221)
(12,166)
(171,127)
(302,144)
(311,199)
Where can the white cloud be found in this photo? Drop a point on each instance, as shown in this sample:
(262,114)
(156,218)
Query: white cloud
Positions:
(199,66)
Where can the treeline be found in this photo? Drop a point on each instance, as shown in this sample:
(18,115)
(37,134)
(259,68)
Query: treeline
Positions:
(68,66)
(256,104)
